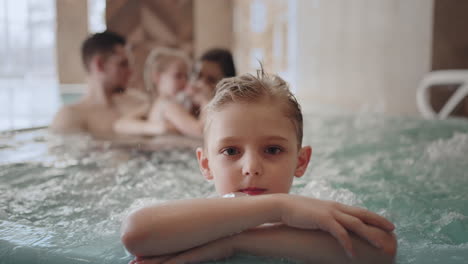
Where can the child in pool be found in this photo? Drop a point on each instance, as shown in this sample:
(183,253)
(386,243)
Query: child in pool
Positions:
(253,145)
(166,74)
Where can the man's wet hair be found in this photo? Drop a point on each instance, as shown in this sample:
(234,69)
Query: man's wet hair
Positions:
(100,43)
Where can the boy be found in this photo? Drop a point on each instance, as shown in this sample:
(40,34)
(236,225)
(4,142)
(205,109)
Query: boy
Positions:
(253,139)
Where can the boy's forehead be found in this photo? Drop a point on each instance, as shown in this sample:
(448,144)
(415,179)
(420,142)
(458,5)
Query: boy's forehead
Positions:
(249,120)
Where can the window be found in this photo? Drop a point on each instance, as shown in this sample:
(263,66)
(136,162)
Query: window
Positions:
(97,15)
(28,85)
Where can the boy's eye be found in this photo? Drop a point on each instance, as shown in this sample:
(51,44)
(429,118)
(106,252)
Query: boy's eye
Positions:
(230,151)
(274,150)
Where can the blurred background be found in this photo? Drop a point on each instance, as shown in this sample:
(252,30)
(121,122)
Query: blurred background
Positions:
(354,56)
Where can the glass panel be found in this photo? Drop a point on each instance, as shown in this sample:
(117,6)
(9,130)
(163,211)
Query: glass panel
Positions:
(17,10)
(3,9)
(97,15)
(28,87)
(42,10)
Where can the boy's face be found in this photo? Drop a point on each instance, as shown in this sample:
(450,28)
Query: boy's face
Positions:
(252,148)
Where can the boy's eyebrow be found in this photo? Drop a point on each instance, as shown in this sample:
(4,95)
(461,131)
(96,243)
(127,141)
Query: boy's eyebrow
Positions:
(227,140)
(233,139)
(280,138)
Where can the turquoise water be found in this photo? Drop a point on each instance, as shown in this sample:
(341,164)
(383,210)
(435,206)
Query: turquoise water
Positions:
(68,98)
(62,199)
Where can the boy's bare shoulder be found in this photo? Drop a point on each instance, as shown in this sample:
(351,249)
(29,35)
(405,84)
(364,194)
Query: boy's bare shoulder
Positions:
(70,118)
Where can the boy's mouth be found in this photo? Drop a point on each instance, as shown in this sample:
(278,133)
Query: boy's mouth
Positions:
(253,190)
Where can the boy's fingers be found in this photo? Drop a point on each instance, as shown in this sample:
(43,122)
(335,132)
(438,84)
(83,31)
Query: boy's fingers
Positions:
(358,227)
(340,233)
(368,217)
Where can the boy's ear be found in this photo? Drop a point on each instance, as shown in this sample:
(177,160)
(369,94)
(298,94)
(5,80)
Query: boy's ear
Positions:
(203,164)
(303,160)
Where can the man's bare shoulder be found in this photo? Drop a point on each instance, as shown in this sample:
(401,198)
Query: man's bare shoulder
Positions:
(69,119)
(130,100)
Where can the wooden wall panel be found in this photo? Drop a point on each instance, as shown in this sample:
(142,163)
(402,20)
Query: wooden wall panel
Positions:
(213,21)
(261,34)
(363,55)
(450,48)
(151,23)
(72,30)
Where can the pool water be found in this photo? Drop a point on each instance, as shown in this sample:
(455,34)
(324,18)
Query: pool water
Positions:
(62,199)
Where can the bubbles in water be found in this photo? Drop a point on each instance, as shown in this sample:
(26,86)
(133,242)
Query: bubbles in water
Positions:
(67,193)
(321,190)
(455,147)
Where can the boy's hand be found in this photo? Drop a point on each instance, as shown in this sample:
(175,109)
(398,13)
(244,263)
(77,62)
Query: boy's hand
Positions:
(335,218)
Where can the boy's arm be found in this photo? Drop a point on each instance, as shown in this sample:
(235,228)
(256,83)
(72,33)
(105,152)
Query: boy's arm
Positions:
(307,246)
(182,225)
(314,246)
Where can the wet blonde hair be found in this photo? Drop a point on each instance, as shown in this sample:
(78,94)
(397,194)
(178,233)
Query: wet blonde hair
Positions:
(248,88)
(157,61)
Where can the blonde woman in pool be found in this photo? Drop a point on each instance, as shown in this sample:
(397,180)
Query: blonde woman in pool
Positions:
(171,111)
(165,75)
(252,151)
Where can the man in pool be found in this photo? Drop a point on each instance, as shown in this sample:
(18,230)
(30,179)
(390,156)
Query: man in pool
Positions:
(253,149)
(107,65)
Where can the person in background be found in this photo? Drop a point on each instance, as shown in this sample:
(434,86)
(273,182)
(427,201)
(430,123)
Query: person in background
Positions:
(108,72)
(165,76)
(252,151)
(165,73)
(213,65)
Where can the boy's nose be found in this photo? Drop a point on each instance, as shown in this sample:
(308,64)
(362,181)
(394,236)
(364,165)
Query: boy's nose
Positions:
(252,166)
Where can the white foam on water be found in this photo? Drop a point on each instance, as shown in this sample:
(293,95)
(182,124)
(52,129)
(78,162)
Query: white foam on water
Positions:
(455,147)
(322,190)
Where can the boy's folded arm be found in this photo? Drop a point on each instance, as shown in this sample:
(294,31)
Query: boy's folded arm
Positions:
(308,246)
(312,246)
(180,225)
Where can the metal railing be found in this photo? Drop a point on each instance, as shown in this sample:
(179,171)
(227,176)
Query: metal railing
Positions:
(447,77)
